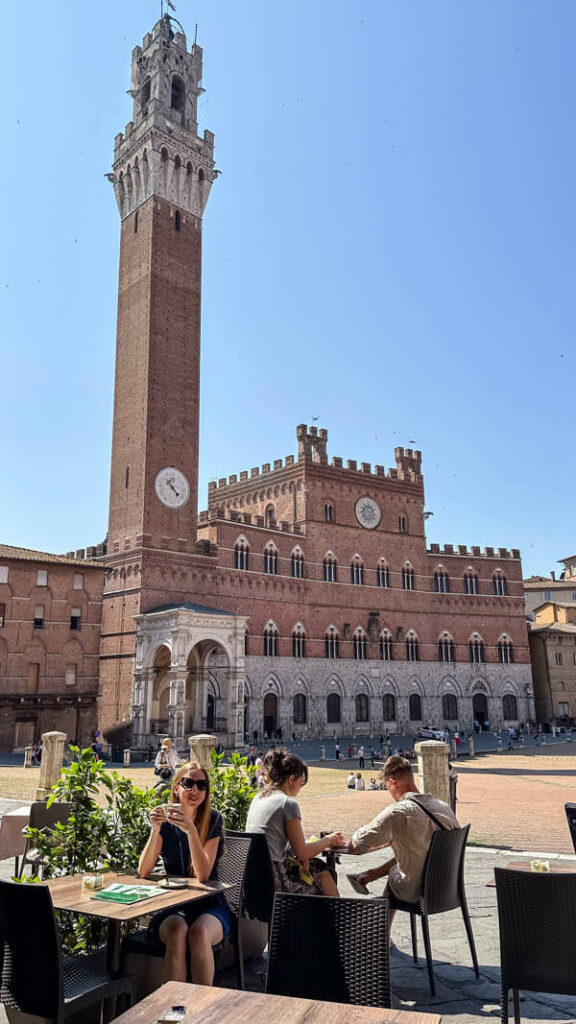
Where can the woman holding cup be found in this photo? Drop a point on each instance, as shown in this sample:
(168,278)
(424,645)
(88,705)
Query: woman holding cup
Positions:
(188,834)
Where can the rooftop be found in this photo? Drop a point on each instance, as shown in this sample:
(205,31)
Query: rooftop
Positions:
(189,606)
(28,555)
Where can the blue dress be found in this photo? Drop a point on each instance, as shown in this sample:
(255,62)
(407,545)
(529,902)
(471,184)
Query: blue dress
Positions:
(176,856)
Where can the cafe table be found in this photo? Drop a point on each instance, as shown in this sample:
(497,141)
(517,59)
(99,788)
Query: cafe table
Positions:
(207,1005)
(556,867)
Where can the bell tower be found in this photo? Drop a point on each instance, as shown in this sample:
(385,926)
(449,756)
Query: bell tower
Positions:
(162,175)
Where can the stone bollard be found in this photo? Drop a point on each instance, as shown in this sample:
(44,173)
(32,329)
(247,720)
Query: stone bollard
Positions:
(471,752)
(322,753)
(433,768)
(28,757)
(201,747)
(543,739)
(127,758)
(499,745)
(52,760)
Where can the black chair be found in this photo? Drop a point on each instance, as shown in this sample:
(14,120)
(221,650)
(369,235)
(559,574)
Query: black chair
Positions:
(41,817)
(537,921)
(259,878)
(442,890)
(330,949)
(571,817)
(232,869)
(35,977)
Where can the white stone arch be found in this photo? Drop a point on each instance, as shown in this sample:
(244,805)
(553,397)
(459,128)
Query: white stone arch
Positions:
(248,689)
(334,684)
(362,685)
(449,684)
(415,686)
(301,685)
(271,684)
(480,685)
(509,686)
(389,685)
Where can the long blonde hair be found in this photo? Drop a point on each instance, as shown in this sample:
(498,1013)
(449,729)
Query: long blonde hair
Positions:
(203,814)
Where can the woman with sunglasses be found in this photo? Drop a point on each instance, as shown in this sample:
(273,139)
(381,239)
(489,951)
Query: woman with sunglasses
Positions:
(188,834)
(275,812)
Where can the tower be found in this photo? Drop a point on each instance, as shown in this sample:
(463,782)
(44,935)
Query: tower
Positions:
(162,174)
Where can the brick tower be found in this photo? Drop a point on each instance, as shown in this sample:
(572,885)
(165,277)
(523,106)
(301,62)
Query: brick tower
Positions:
(163,172)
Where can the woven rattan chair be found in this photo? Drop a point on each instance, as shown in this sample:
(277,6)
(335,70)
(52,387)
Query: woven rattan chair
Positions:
(34,977)
(41,816)
(537,920)
(330,949)
(571,818)
(259,879)
(442,890)
(232,869)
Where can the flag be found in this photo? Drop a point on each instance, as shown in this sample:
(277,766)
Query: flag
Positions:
(171,5)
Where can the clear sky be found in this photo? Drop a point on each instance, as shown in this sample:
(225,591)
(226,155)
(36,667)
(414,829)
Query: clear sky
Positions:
(390,249)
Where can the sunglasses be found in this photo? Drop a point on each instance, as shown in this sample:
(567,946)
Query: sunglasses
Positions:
(201,784)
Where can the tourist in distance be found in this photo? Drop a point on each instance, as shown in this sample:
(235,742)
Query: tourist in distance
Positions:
(407,826)
(351,781)
(188,834)
(359,783)
(360,757)
(166,760)
(275,813)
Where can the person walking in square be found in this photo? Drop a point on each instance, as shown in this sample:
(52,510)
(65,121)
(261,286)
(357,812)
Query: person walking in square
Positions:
(360,757)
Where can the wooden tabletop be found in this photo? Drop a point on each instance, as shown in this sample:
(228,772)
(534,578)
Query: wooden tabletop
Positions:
(557,867)
(207,1005)
(67,895)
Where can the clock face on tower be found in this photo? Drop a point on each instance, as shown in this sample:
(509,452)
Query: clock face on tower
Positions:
(368,513)
(172,487)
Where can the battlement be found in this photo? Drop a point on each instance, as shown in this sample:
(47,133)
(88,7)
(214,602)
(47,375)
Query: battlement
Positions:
(473,552)
(247,519)
(94,551)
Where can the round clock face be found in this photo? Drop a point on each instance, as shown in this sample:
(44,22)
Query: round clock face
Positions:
(172,487)
(368,513)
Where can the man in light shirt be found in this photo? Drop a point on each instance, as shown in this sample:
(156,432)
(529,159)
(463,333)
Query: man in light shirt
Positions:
(407,828)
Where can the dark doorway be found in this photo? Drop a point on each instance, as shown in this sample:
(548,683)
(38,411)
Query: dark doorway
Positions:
(480,708)
(270,714)
(210,711)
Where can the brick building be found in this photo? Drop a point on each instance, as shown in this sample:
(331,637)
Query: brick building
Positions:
(50,610)
(552,637)
(539,589)
(305,597)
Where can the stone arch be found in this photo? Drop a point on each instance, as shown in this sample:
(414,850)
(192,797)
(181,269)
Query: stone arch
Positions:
(334,683)
(389,685)
(448,684)
(415,686)
(362,685)
(271,684)
(301,683)
(481,685)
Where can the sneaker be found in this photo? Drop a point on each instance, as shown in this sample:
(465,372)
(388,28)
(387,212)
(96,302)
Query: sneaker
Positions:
(358,885)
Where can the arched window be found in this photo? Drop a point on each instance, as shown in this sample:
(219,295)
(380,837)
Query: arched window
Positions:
(269,515)
(441,582)
(470,582)
(246,642)
(449,708)
(145,96)
(509,707)
(330,568)
(270,559)
(333,708)
(499,584)
(298,642)
(299,709)
(505,650)
(389,707)
(331,643)
(357,570)
(297,559)
(241,553)
(270,641)
(359,644)
(178,94)
(476,650)
(412,647)
(415,707)
(386,645)
(361,703)
(382,574)
(328,513)
(446,648)
(403,524)
(407,577)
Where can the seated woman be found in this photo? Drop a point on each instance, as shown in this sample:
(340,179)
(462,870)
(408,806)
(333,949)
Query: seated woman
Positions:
(275,812)
(167,761)
(189,836)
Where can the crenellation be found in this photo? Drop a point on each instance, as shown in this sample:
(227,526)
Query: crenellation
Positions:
(243,475)
(475,551)
(366,467)
(448,549)
(284,526)
(337,462)
(222,481)
(232,479)
(503,553)
(259,520)
(289,460)
(434,549)
(277,463)
(379,471)
(462,549)
(255,471)
(352,464)
(489,552)
(515,553)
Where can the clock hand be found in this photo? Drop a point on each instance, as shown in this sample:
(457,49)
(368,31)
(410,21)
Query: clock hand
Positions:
(170,484)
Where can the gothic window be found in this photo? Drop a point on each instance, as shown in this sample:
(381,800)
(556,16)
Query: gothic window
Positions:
(505,650)
(328,513)
(201,175)
(241,553)
(145,96)
(470,582)
(297,560)
(298,642)
(330,568)
(476,650)
(178,94)
(446,648)
(177,221)
(333,708)
(359,643)
(509,707)
(407,577)
(415,707)
(389,707)
(449,708)
(299,709)
(499,584)
(270,559)
(361,704)
(357,571)
(412,647)
(270,641)
(269,515)
(386,645)
(441,582)
(382,574)
(331,643)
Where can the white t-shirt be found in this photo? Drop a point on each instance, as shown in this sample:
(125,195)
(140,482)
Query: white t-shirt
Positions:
(359,784)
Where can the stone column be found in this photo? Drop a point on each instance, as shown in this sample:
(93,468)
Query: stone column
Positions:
(433,768)
(200,747)
(471,746)
(52,761)
(27,757)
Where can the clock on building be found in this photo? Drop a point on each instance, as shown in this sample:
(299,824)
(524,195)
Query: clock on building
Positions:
(172,487)
(368,513)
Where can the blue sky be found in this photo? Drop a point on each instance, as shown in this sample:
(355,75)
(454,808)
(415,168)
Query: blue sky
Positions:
(390,248)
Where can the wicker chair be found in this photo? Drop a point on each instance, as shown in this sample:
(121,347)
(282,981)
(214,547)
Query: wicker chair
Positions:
(259,879)
(330,949)
(35,978)
(442,890)
(571,817)
(232,869)
(537,919)
(41,816)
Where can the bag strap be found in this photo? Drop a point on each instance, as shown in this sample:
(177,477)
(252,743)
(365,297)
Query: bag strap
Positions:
(436,820)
